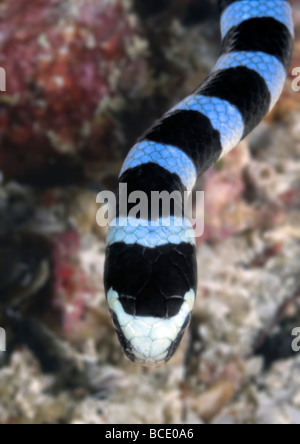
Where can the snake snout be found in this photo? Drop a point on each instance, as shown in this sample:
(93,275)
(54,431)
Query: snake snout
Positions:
(150,340)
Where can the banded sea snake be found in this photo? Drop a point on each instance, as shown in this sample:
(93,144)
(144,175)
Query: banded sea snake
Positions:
(151,272)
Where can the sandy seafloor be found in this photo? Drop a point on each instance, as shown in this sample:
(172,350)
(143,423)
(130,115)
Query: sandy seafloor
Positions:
(62,140)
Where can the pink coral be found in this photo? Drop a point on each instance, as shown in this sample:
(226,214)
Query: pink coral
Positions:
(71,290)
(60,59)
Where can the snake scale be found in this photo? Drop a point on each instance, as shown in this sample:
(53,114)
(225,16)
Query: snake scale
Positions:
(151,270)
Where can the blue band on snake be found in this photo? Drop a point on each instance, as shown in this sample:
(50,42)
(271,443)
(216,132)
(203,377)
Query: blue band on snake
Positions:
(151,268)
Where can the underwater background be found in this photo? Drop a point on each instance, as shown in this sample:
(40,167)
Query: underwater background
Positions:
(84,79)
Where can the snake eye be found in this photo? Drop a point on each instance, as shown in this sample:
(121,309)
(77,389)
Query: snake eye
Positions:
(150,340)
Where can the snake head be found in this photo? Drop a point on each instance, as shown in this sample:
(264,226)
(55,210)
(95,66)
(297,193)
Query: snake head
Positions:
(151,289)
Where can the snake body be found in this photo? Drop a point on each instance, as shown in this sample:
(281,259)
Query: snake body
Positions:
(151,271)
